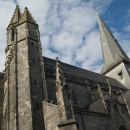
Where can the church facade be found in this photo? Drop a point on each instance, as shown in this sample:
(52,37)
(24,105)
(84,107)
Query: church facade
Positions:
(39,93)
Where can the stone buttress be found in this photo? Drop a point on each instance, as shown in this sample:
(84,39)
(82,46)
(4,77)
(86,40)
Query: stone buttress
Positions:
(1,97)
(64,101)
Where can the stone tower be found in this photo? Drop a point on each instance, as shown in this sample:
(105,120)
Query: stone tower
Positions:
(24,78)
(117,63)
(71,98)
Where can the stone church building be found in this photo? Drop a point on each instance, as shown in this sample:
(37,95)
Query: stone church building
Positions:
(39,93)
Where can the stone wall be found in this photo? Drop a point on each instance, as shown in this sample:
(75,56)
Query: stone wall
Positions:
(121,74)
(94,116)
(23,82)
(1,97)
(30,77)
(83,91)
(127,97)
(51,89)
(5,104)
(91,121)
(51,116)
(36,75)
(24,88)
(11,95)
(80,92)
(52,119)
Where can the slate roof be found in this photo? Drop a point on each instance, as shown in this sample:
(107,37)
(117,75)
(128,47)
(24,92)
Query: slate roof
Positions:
(79,72)
(112,52)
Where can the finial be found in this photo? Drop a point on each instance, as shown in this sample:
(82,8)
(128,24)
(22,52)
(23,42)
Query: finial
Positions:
(108,82)
(26,8)
(56,58)
(17,6)
(95,10)
(109,87)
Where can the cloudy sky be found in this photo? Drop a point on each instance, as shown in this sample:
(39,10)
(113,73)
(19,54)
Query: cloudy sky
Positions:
(69,29)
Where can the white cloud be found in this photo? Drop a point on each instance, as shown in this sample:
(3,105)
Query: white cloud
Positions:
(45,42)
(5,15)
(127,28)
(90,53)
(124,41)
(127,16)
(67,27)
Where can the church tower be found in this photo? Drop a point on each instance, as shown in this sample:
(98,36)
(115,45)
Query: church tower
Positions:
(24,77)
(116,62)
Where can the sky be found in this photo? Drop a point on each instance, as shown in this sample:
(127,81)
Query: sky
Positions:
(69,28)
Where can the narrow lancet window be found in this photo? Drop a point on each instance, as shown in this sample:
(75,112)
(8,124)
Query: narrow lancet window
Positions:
(35,81)
(37,107)
(33,61)
(12,34)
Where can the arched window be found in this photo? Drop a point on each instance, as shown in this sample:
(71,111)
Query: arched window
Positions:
(122,127)
(74,98)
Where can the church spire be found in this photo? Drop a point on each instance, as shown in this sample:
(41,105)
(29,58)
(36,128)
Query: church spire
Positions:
(112,52)
(16,16)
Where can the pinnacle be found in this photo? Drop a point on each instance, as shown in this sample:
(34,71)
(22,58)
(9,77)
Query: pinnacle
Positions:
(16,16)
(26,16)
(96,12)
(26,9)
(17,6)
(56,58)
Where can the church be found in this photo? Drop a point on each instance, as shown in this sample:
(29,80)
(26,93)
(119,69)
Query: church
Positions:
(39,93)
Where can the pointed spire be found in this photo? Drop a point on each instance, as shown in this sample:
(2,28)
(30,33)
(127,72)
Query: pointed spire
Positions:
(26,16)
(16,16)
(112,52)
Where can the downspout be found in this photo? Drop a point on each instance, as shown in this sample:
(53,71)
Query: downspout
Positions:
(83,121)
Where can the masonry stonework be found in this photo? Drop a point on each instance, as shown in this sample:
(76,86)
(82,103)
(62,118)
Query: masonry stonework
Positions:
(39,93)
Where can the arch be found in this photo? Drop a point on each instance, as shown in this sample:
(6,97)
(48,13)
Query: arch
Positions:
(122,127)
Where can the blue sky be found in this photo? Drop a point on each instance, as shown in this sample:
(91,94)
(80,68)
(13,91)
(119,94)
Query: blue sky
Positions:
(69,28)
(116,13)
